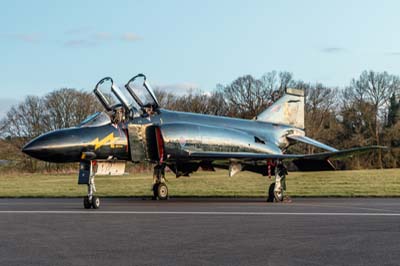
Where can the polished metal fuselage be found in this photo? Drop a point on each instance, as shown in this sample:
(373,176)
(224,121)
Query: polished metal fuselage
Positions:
(183,133)
(180,133)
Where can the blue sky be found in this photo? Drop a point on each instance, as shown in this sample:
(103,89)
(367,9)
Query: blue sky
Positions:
(47,45)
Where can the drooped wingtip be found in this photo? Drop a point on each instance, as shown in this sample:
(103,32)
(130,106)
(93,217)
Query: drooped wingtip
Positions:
(379,147)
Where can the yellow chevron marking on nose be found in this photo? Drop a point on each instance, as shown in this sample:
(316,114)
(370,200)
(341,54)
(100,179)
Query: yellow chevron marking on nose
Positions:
(109,139)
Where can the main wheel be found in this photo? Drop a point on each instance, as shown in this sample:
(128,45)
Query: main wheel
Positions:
(274,195)
(278,195)
(95,202)
(271,195)
(162,191)
(86,203)
(155,191)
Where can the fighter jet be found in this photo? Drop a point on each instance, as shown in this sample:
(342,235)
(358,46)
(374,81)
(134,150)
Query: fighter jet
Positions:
(137,129)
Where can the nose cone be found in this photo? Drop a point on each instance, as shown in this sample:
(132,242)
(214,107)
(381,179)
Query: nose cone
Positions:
(30,148)
(35,148)
(57,146)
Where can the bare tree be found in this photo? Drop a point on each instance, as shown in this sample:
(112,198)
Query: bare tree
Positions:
(320,109)
(166,99)
(375,88)
(217,104)
(22,123)
(246,96)
(276,83)
(25,120)
(68,107)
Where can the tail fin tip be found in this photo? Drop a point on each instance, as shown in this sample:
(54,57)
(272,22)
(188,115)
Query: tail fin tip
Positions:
(287,110)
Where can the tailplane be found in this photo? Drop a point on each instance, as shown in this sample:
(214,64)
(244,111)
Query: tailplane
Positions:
(287,110)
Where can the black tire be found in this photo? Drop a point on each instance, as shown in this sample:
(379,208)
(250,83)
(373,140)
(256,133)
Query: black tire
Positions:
(271,194)
(155,189)
(162,191)
(86,203)
(95,202)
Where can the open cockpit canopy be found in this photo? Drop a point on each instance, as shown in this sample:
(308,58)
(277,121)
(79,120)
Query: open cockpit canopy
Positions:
(115,99)
(141,92)
(137,95)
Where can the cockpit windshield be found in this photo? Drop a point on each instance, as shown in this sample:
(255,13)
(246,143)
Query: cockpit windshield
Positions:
(96,120)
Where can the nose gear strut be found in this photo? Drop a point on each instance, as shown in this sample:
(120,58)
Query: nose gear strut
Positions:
(86,176)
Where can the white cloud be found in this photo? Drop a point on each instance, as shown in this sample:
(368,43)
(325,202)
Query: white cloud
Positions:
(104,36)
(31,37)
(393,53)
(23,37)
(130,37)
(79,43)
(333,50)
(178,88)
(76,31)
(79,37)
(90,38)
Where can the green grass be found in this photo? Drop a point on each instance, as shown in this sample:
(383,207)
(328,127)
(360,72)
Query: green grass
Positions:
(374,183)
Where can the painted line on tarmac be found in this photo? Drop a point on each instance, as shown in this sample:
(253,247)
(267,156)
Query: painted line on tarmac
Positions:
(208,213)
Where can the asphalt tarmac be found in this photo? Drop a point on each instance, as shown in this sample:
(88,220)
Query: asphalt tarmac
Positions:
(357,231)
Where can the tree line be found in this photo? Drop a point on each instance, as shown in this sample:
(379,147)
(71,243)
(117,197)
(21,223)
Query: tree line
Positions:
(366,112)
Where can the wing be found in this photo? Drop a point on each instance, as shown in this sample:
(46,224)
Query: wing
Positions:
(348,153)
(247,156)
(312,142)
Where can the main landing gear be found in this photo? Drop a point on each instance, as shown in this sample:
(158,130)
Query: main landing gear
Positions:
(160,189)
(86,176)
(276,189)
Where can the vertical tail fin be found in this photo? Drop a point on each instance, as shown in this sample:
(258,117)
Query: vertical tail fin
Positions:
(287,110)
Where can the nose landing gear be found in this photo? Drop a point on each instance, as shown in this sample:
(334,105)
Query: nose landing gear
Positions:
(86,176)
(91,201)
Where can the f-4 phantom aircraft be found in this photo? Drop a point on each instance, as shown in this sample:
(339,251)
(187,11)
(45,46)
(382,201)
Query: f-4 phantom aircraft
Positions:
(137,129)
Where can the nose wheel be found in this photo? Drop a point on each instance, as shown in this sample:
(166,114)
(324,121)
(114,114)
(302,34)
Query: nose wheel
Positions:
(94,203)
(86,176)
(86,203)
(91,201)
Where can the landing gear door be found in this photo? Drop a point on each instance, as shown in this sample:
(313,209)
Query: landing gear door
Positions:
(136,135)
